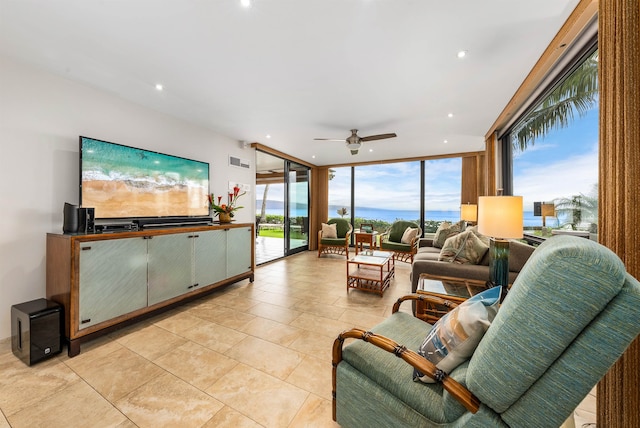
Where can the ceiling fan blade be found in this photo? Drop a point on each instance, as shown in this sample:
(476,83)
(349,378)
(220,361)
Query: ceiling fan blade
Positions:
(354,152)
(378,137)
(328,139)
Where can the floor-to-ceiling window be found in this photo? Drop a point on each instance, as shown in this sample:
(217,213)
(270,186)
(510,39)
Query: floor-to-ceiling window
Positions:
(442,187)
(340,192)
(383,193)
(555,154)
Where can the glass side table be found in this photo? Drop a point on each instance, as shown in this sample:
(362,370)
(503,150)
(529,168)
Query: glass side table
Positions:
(449,292)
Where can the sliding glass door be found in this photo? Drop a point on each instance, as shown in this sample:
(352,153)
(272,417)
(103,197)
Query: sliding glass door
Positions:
(282,207)
(297,235)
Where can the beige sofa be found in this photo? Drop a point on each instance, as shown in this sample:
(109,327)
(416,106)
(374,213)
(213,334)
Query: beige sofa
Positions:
(426,261)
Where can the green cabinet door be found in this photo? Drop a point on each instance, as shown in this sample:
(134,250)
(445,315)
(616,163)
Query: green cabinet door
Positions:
(210,252)
(239,242)
(113,279)
(170,266)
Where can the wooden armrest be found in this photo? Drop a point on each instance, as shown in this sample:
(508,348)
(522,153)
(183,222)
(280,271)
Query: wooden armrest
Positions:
(459,392)
(454,302)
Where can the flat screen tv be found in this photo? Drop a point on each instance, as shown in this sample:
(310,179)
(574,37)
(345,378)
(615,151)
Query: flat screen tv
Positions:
(126,182)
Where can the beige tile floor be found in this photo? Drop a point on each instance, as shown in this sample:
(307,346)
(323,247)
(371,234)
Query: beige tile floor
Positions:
(249,355)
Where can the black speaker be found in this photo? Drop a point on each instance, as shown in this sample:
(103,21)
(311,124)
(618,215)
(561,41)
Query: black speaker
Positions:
(36,330)
(70,218)
(86,223)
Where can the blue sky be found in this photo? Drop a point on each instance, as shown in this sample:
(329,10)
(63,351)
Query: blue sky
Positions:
(561,165)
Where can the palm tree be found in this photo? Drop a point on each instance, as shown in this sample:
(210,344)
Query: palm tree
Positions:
(578,92)
(580,209)
(263,209)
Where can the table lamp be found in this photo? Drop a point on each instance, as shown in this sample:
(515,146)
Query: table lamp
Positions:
(469,213)
(501,218)
(547,210)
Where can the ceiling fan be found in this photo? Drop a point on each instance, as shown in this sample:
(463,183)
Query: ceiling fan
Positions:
(354,141)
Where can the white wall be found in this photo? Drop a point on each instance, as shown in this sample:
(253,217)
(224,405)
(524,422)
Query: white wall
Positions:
(41,117)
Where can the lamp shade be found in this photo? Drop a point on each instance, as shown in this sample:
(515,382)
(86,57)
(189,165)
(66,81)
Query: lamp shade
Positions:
(469,212)
(500,216)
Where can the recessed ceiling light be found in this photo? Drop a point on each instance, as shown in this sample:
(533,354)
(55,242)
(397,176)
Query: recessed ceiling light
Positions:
(313,157)
(446,141)
(159,87)
(268,136)
(370,150)
(450,115)
(462,54)
(245,3)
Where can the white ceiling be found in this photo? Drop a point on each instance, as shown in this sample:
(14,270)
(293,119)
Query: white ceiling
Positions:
(299,69)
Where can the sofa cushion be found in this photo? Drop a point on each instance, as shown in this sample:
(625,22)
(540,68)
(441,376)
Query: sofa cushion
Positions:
(427,253)
(329,231)
(409,234)
(395,246)
(334,242)
(446,230)
(519,253)
(463,248)
(397,230)
(454,338)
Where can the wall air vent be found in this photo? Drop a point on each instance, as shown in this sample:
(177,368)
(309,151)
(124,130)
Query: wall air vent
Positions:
(240,163)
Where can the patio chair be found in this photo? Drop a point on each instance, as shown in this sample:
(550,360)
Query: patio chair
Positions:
(338,245)
(570,314)
(391,240)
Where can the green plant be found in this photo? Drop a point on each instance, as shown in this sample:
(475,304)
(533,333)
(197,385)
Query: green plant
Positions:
(228,208)
(580,209)
(578,92)
(342,211)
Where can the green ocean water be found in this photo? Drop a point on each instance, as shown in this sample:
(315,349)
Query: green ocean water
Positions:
(141,168)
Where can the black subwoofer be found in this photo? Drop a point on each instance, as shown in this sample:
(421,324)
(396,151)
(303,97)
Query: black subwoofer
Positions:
(36,330)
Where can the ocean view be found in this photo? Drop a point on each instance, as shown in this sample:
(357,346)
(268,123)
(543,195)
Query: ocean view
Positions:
(391,215)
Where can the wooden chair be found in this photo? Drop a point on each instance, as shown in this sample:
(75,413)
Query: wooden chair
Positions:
(339,245)
(391,240)
(570,314)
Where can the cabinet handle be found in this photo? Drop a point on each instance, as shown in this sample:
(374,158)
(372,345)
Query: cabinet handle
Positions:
(193,236)
(85,321)
(193,286)
(86,248)
(147,237)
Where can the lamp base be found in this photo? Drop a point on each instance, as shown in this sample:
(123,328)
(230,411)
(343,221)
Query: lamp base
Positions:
(499,264)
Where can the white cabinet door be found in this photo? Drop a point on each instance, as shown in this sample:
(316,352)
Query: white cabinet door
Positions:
(239,242)
(210,252)
(113,279)
(170,266)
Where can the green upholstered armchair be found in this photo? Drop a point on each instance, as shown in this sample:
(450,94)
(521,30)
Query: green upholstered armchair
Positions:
(391,241)
(339,245)
(570,314)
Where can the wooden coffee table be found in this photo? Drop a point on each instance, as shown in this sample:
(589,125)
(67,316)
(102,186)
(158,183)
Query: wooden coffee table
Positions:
(455,290)
(371,271)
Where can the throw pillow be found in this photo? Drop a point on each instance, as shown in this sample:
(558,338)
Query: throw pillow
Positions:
(329,231)
(455,337)
(446,230)
(482,237)
(409,234)
(464,248)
